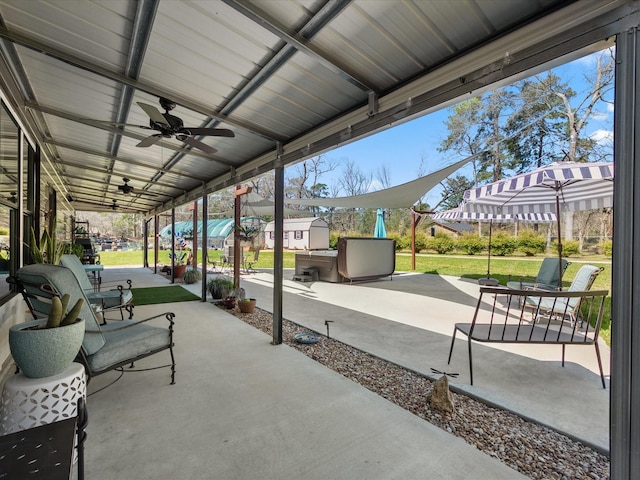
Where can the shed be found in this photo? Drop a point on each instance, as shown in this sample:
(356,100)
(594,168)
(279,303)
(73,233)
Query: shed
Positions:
(310,233)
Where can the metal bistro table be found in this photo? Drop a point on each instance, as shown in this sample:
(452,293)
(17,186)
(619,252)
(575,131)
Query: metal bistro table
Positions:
(96,275)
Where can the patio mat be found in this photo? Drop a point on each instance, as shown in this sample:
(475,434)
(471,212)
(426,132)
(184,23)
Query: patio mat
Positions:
(154,295)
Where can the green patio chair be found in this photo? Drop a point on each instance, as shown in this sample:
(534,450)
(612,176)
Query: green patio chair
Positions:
(548,277)
(119,298)
(104,347)
(569,307)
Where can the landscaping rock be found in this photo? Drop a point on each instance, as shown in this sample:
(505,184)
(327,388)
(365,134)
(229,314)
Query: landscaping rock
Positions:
(441,398)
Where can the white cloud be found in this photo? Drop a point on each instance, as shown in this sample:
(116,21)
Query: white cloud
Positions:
(374,186)
(599,115)
(602,137)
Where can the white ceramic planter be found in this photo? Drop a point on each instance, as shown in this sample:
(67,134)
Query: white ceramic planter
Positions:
(46,351)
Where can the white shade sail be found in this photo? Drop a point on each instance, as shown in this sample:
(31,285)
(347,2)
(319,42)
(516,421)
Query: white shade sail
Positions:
(400,196)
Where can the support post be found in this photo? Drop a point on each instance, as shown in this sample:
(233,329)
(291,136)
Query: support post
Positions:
(237,246)
(278,254)
(173,245)
(413,240)
(194,240)
(156,247)
(416,216)
(205,244)
(625,278)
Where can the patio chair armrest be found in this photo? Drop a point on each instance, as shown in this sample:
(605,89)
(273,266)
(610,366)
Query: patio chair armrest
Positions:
(168,315)
(118,284)
(539,287)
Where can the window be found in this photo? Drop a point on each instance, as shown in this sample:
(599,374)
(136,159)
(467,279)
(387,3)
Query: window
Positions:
(298,235)
(10,179)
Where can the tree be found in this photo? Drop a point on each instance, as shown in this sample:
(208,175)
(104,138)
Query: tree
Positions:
(478,126)
(462,127)
(453,189)
(577,117)
(536,128)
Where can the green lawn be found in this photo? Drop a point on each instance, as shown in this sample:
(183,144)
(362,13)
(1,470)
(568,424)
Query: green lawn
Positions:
(502,269)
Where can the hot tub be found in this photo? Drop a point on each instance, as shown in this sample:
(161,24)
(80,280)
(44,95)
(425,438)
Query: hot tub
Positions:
(324,261)
(366,258)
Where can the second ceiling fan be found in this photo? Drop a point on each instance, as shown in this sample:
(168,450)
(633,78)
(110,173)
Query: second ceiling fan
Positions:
(168,126)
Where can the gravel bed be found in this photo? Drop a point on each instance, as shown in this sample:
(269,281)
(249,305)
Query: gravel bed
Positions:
(531,449)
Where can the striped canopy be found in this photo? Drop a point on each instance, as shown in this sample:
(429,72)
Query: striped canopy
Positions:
(459,214)
(578,186)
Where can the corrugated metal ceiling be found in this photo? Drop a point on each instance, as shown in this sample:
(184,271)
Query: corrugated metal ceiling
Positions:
(294,74)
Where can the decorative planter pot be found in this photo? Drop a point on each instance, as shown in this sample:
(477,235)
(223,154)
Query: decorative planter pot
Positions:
(230,302)
(180,269)
(42,352)
(247,306)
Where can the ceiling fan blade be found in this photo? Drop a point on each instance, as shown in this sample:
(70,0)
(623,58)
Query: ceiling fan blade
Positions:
(154,113)
(132,125)
(212,132)
(199,145)
(147,142)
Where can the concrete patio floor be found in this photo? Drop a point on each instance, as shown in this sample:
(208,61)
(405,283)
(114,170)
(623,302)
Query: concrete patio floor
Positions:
(243,409)
(409,320)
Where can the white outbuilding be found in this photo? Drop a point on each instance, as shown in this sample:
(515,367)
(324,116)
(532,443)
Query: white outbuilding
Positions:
(310,233)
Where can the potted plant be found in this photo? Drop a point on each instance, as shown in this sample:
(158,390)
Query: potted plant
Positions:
(179,263)
(191,276)
(230,301)
(247,232)
(43,348)
(220,287)
(46,249)
(247,305)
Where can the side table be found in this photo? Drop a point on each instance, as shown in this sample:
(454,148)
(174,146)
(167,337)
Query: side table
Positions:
(30,402)
(96,271)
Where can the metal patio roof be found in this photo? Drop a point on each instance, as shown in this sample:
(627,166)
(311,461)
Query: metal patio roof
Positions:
(291,78)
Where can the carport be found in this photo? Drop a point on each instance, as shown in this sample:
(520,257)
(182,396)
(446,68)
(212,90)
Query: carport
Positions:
(290,79)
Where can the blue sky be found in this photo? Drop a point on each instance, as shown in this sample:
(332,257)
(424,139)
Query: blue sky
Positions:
(402,148)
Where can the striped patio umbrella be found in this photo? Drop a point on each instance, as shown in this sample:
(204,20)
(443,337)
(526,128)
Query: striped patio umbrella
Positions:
(557,187)
(459,214)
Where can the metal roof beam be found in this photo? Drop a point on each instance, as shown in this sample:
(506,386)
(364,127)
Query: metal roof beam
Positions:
(422,96)
(145,16)
(128,161)
(298,41)
(108,128)
(83,64)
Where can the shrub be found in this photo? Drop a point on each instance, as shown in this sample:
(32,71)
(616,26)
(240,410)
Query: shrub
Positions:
(220,287)
(569,247)
(421,241)
(333,240)
(470,243)
(191,276)
(531,243)
(400,241)
(502,244)
(607,248)
(405,242)
(441,243)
